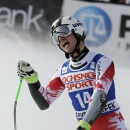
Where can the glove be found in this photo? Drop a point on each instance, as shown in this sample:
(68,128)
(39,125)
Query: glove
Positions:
(82,125)
(80,128)
(25,71)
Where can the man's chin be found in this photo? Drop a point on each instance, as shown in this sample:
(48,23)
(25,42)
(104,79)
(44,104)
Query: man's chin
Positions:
(68,51)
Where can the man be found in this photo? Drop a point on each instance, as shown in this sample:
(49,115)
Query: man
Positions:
(88,77)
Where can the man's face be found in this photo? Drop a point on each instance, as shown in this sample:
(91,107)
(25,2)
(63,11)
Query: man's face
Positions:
(67,43)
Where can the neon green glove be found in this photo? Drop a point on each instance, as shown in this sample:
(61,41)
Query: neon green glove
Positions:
(82,125)
(25,71)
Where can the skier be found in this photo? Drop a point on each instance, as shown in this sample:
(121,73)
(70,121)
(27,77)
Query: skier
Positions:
(88,77)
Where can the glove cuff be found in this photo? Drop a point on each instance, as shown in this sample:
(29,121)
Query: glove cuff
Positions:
(84,125)
(32,79)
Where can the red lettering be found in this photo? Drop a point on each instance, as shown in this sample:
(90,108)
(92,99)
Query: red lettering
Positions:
(69,78)
(64,80)
(84,76)
(78,85)
(84,84)
(90,82)
(77,77)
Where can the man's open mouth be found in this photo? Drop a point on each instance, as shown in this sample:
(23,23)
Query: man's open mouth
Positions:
(65,43)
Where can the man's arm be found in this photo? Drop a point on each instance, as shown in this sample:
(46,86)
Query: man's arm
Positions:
(104,75)
(46,96)
(94,110)
(36,95)
(42,96)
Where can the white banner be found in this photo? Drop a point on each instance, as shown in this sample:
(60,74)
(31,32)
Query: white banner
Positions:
(107,25)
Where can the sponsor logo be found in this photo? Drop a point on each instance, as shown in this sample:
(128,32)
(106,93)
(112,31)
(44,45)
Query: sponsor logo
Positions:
(8,18)
(98,70)
(112,105)
(79,85)
(124,28)
(77,24)
(64,70)
(80,114)
(78,81)
(78,77)
(97,24)
(92,66)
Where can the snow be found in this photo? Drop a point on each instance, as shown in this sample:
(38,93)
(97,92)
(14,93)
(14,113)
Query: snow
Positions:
(45,58)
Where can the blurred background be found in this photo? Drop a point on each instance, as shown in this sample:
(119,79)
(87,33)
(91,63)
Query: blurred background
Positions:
(25,35)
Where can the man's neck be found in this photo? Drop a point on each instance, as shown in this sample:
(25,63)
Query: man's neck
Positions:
(81,55)
(81,47)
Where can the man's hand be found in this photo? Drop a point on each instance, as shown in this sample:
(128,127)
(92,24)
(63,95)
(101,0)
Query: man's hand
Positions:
(80,128)
(25,71)
(82,125)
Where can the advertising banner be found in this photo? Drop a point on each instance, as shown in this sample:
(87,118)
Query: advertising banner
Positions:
(29,15)
(125,2)
(107,25)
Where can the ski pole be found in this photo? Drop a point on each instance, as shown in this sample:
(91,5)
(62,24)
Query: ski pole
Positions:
(15,103)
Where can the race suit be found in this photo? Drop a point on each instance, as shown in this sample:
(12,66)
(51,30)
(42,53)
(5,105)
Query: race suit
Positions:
(83,79)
